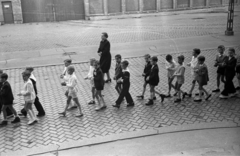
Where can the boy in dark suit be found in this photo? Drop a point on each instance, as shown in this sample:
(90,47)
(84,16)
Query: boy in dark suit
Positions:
(125,79)
(153,79)
(229,64)
(9,112)
(118,73)
(7,100)
(37,103)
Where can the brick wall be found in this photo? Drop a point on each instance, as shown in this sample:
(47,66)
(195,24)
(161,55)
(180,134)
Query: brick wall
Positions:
(17,11)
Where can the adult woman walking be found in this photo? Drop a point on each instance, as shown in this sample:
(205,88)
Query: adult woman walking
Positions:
(105,56)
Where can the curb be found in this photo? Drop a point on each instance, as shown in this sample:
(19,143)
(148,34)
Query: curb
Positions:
(124,136)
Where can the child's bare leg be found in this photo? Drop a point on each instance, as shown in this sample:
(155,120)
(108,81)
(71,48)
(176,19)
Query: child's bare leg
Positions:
(170,85)
(93,93)
(218,80)
(101,97)
(204,90)
(98,99)
(79,106)
(193,86)
(69,98)
(13,110)
(144,88)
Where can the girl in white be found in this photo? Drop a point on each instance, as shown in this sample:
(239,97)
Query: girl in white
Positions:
(71,84)
(29,96)
(90,77)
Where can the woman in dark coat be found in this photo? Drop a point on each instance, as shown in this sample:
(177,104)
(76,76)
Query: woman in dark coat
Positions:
(105,56)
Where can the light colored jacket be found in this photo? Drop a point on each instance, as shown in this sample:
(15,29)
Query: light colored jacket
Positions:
(71,83)
(28,91)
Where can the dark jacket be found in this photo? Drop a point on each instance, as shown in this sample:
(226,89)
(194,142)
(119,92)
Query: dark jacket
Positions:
(154,77)
(98,79)
(106,58)
(147,69)
(230,66)
(6,95)
(126,78)
(34,85)
(118,71)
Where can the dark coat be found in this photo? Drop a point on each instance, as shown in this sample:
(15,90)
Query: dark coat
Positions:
(230,66)
(202,75)
(6,95)
(154,77)
(98,79)
(147,70)
(34,85)
(106,58)
(118,71)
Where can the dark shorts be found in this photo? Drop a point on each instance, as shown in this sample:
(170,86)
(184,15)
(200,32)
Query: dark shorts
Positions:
(238,69)
(8,103)
(221,71)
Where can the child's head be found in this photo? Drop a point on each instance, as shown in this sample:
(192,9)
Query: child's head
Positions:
(201,59)
(3,77)
(147,57)
(154,60)
(124,64)
(96,64)
(104,36)
(231,52)
(92,60)
(30,69)
(181,59)
(67,62)
(25,75)
(196,52)
(70,70)
(118,58)
(221,49)
(169,58)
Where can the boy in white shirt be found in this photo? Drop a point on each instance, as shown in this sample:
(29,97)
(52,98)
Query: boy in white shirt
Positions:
(65,76)
(193,64)
(71,84)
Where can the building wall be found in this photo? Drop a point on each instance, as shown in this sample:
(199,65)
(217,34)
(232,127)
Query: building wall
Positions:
(17,11)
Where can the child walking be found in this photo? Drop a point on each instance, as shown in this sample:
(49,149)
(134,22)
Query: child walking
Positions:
(146,73)
(220,58)
(171,67)
(99,85)
(65,77)
(193,64)
(7,98)
(71,84)
(29,97)
(37,103)
(202,78)
(90,77)
(125,79)
(179,74)
(230,65)
(153,79)
(118,73)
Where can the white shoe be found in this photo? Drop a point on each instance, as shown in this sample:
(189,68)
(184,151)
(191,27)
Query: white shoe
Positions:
(30,122)
(223,97)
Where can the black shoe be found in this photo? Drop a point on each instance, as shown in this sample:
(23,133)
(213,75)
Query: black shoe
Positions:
(189,95)
(208,97)
(198,94)
(177,100)
(154,98)
(117,106)
(198,100)
(10,116)
(130,104)
(109,80)
(167,96)
(21,115)
(162,97)
(91,102)
(238,88)
(184,95)
(150,102)
(216,90)
(41,115)
(103,107)
(16,120)
(3,123)
(140,97)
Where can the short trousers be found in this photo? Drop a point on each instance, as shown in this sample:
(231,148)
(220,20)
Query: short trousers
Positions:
(72,94)
(92,83)
(178,86)
(221,71)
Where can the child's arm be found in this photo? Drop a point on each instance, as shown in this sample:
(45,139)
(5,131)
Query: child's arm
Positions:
(181,72)
(27,91)
(72,83)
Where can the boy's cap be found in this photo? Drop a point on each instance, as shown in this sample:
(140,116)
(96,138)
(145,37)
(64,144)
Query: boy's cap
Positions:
(154,58)
(30,68)
(118,56)
(68,60)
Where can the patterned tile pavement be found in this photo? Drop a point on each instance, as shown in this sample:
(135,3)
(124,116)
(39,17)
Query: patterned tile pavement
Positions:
(55,129)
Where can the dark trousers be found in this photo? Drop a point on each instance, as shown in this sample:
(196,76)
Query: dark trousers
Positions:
(38,106)
(229,86)
(118,87)
(9,112)
(125,93)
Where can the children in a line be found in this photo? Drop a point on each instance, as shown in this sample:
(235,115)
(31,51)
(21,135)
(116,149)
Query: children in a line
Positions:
(98,78)
(201,72)
(90,77)
(118,73)
(125,80)
(220,59)
(71,84)
(145,74)
(29,97)
(7,98)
